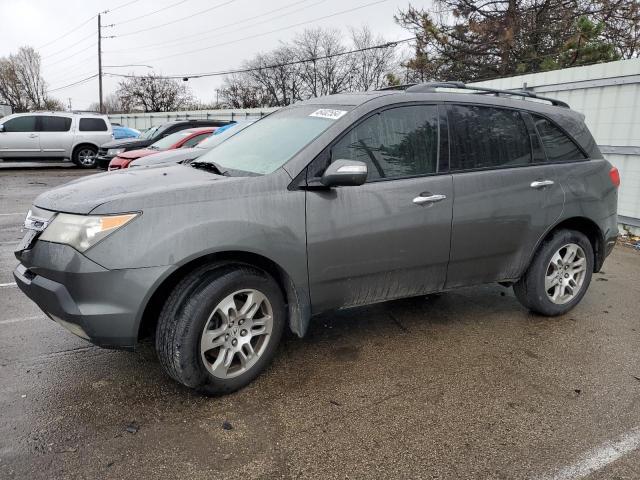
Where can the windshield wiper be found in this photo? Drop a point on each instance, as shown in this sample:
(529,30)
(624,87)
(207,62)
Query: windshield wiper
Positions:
(214,167)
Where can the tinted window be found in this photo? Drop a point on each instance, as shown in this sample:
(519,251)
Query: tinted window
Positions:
(55,124)
(558,146)
(399,142)
(21,124)
(486,137)
(93,125)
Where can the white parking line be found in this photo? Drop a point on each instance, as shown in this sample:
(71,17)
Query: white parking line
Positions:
(599,457)
(11,214)
(18,320)
(12,284)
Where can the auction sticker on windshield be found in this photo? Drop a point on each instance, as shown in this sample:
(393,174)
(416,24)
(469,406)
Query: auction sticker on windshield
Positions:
(328,113)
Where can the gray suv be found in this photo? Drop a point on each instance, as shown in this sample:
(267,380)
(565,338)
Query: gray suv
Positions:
(330,203)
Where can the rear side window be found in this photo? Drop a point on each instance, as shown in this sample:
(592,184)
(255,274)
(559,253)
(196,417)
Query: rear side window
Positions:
(399,142)
(557,145)
(26,123)
(487,137)
(55,124)
(193,141)
(93,125)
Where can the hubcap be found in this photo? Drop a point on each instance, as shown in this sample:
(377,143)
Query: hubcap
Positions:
(228,349)
(565,274)
(86,157)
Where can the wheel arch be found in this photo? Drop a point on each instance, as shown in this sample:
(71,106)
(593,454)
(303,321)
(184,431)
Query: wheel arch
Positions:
(297,301)
(586,226)
(77,147)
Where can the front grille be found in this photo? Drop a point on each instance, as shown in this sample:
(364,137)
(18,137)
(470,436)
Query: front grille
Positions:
(102,152)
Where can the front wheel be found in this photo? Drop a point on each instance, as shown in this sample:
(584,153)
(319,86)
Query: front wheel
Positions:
(220,328)
(85,156)
(559,274)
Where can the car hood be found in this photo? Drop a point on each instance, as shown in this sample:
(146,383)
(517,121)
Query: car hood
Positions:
(86,194)
(133,154)
(127,143)
(168,156)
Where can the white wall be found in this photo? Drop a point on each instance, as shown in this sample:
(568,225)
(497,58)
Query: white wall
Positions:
(608,94)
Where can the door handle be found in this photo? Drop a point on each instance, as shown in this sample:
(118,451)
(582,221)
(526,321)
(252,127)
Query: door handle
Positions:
(33,135)
(422,199)
(541,183)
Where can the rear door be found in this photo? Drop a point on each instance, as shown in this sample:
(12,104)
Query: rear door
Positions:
(388,238)
(56,136)
(505,196)
(20,137)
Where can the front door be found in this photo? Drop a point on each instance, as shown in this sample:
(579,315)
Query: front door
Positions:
(20,137)
(505,196)
(388,238)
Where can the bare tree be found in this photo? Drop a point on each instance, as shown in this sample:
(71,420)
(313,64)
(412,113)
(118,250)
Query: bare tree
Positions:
(240,91)
(152,93)
(370,68)
(323,76)
(21,83)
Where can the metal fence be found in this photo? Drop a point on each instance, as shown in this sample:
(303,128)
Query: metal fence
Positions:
(142,121)
(608,94)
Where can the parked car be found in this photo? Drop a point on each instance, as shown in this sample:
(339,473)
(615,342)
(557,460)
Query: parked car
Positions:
(54,135)
(189,154)
(330,203)
(183,139)
(111,149)
(120,132)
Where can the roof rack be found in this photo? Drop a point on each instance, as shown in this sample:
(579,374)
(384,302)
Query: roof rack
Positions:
(396,87)
(430,87)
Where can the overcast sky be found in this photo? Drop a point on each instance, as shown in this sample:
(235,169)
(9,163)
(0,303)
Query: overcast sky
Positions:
(218,31)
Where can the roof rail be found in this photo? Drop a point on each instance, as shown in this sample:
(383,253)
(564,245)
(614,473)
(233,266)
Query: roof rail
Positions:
(396,87)
(431,87)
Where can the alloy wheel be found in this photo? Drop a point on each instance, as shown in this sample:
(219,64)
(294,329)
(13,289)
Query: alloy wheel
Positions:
(565,274)
(87,157)
(236,333)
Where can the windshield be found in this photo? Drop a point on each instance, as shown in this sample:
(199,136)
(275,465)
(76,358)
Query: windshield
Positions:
(221,135)
(147,134)
(271,142)
(168,141)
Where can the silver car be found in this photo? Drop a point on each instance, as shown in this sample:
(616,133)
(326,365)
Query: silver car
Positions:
(54,135)
(331,203)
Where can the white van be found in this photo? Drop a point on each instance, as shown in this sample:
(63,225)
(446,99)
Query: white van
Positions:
(54,135)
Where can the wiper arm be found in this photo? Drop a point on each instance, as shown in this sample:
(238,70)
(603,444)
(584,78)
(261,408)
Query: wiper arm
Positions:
(214,167)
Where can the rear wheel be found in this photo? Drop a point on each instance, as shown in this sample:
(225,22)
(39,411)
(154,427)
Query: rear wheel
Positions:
(220,328)
(559,274)
(85,156)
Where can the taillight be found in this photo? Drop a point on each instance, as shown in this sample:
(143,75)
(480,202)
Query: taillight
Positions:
(614,175)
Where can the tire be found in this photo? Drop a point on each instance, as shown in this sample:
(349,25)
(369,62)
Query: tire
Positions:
(195,304)
(84,156)
(550,268)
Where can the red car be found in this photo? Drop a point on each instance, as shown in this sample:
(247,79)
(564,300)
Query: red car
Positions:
(183,139)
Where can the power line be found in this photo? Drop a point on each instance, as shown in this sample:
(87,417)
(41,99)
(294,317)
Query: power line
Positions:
(174,21)
(148,14)
(66,34)
(277,65)
(261,34)
(126,4)
(70,68)
(84,80)
(219,27)
(72,55)
(69,46)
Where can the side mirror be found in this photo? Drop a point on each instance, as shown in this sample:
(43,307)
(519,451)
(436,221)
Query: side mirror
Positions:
(344,173)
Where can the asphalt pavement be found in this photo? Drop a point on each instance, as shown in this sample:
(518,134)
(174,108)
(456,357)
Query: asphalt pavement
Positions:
(462,385)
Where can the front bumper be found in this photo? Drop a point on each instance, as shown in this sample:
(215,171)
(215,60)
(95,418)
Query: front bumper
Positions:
(102,159)
(100,305)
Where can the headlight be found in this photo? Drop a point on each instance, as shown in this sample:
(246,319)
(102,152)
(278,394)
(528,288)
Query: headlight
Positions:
(115,151)
(83,231)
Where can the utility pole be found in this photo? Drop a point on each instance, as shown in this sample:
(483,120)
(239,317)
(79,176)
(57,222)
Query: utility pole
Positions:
(100,61)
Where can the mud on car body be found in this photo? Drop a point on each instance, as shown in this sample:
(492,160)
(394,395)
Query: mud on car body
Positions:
(333,202)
